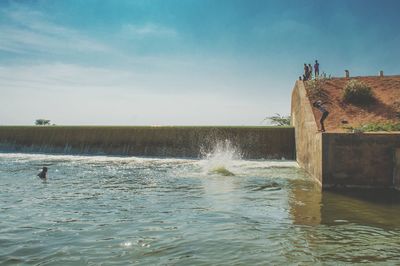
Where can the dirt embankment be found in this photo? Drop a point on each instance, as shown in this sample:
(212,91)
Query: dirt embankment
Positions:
(385,109)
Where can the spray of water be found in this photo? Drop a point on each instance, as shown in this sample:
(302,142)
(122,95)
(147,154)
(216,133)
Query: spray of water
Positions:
(220,160)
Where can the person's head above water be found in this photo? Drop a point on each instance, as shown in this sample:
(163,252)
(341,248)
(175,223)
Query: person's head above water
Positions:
(43,173)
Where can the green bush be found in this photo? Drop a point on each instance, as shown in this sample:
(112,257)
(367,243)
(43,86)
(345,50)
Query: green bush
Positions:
(358,93)
(315,87)
(375,127)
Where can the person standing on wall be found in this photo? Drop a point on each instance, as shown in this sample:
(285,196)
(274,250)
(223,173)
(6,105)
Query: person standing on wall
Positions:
(306,72)
(316,68)
(310,70)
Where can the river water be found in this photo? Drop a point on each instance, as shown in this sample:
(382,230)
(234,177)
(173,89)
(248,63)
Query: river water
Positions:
(221,210)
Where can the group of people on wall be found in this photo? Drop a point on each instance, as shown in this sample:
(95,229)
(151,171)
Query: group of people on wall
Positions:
(308,71)
(308,75)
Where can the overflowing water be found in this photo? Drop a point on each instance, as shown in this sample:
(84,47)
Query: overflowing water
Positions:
(217,211)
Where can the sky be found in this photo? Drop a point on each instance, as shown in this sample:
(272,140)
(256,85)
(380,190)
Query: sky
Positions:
(180,62)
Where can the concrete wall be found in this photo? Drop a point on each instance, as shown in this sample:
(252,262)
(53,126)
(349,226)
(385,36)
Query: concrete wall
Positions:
(343,159)
(396,179)
(359,160)
(253,142)
(308,141)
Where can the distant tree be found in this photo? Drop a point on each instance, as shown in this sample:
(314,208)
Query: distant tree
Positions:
(279,120)
(42,122)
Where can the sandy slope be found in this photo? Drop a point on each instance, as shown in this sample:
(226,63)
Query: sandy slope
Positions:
(385,89)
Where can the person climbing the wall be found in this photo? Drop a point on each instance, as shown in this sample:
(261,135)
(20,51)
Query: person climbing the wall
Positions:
(316,69)
(43,173)
(320,106)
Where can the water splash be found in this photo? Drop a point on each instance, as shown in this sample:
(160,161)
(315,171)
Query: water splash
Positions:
(220,160)
(222,171)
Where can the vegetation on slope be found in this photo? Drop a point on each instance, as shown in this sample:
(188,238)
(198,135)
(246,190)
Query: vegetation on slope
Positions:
(375,127)
(357,92)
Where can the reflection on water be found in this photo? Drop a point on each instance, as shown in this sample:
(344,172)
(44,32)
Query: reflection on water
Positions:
(353,226)
(122,211)
(305,202)
(376,207)
(372,206)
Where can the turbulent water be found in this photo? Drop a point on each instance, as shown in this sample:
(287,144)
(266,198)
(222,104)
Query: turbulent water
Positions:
(216,211)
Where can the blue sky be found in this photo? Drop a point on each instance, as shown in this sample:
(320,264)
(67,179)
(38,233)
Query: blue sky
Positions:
(180,62)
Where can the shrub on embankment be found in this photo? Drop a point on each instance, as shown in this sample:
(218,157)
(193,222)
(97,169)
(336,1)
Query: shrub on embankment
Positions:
(357,92)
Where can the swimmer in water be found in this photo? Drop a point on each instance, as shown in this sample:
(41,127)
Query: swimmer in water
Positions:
(43,173)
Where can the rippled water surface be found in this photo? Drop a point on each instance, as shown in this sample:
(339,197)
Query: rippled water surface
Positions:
(121,211)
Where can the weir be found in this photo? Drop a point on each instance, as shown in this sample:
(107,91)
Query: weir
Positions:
(166,141)
(334,159)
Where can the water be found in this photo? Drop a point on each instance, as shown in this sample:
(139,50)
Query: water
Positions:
(123,211)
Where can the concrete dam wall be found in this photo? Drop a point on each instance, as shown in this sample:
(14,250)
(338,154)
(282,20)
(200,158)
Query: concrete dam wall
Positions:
(361,160)
(340,160)
(308,141)
(184,142)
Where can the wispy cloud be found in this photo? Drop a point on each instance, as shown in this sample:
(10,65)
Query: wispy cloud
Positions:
(64,77)
(73,94)
(75,75)
(147,30)
(27,31)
